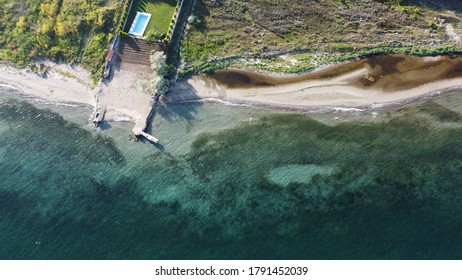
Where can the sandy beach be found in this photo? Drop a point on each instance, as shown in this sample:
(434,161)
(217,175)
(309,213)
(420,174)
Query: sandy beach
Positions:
(57,87)
(120,96)
(374,83)
(307,95)
(346,90)
(66,85)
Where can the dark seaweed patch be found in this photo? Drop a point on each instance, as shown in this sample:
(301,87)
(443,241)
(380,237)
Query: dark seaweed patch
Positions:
(440,112)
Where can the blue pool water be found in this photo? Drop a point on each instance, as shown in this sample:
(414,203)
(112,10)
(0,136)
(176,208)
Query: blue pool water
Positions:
(140,23)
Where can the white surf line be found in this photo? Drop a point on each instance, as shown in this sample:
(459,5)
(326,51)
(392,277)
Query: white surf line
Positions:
(9,86)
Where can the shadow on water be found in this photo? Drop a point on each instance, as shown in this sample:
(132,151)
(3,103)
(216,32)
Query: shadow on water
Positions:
(149,129)
(188,97)
(176,113)
(158,146)
(104,125)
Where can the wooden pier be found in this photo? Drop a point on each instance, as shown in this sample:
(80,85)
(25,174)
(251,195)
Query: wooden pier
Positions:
(149,137)
(138,131)
(141,125)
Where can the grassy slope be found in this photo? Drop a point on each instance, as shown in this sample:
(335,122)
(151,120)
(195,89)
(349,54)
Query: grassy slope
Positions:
(74,31)
(318,31)
(161,11)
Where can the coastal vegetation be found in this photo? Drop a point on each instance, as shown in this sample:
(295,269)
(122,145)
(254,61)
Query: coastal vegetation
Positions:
(161,79)
(284,36)
(292,36)
(70,31)
(160,82)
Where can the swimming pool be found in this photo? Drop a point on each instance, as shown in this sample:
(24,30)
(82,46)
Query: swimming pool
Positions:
(139,24)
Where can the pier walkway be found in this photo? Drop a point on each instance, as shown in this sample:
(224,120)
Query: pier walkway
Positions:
(142,123)
(149,137)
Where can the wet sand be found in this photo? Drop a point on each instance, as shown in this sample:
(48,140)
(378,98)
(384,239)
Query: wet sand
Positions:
(371,82)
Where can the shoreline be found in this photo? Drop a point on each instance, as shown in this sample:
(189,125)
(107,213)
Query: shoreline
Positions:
(58,89)
(319,108)
(125,103)
(380,82)
(55,88)
(40,100)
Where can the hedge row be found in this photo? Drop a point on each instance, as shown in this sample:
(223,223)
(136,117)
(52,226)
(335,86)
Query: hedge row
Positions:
(172,23)
(123,17)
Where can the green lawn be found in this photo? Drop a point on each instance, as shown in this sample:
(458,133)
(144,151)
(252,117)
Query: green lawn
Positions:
(161,13)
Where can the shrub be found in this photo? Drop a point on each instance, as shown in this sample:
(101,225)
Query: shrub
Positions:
(160,68)
(153,36)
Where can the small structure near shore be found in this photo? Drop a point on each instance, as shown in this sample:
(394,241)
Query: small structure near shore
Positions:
(149,137)
(110,58)
(107,67)
(141,125)
(98,116)
(139,132)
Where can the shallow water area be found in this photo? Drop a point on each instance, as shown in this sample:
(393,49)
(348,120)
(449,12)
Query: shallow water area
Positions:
(230,182)
(285,175)
(178,125)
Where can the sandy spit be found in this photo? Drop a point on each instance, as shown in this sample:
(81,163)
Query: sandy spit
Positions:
(326,94)
(124,102)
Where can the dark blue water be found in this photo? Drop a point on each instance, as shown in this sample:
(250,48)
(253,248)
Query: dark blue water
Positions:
(281,186)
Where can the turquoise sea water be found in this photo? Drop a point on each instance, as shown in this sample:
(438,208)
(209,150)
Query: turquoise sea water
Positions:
(232,182)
